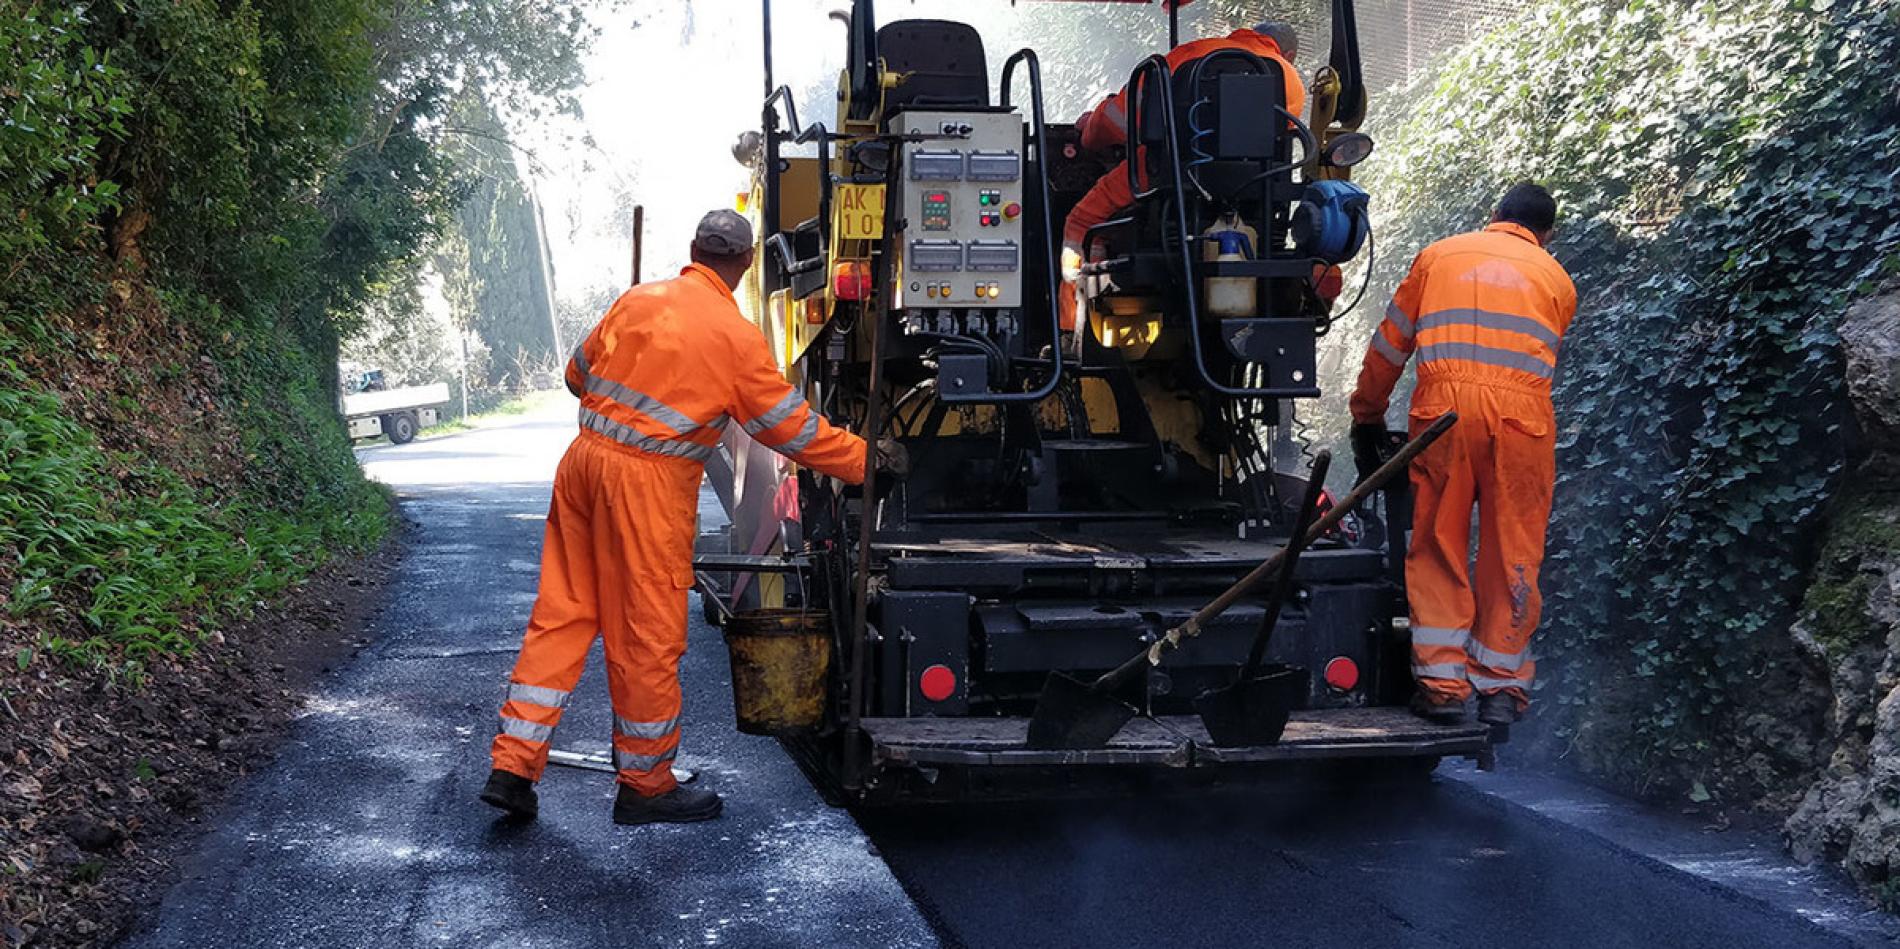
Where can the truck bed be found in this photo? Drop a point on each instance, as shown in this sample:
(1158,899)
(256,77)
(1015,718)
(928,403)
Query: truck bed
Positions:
(1174,741)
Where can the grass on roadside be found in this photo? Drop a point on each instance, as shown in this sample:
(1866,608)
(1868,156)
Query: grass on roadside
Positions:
(112,557)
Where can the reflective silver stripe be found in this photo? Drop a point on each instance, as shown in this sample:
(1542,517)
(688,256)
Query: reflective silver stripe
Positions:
(653,408)
(1399,319)
(1439,670)
(580,357)
(1488,683)
(1489,355)
(1391,353)
(537,695)
(525,730)
(1399,331)
(632,762)
(1440,636)
(719,424)
(1508,322)
(776,414)
(1507,661)
(804,436)
(647,730)
(597,422)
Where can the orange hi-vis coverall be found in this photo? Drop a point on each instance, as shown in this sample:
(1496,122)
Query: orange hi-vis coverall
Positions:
(1485,314)
(668,368)
(1106,125)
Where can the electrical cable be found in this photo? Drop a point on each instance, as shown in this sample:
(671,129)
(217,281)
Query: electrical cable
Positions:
(1201,155)
(1372,260)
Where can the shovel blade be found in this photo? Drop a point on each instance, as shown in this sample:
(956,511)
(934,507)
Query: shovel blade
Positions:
(1253,712)
(1071,714)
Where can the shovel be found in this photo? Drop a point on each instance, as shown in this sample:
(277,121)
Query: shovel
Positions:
(1254,710)
(1075,714)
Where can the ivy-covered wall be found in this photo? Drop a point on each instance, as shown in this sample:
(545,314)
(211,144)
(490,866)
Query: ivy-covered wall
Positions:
(1727,176)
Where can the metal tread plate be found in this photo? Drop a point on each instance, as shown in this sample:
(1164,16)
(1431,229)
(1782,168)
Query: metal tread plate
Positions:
(1174,741)
(1000,741)
(963,562)
(1341,733)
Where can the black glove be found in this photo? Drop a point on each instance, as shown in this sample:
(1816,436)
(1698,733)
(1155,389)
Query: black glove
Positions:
(1369,447)
(892,458)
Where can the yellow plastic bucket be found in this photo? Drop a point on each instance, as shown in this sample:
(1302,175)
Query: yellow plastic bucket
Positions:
(780,660)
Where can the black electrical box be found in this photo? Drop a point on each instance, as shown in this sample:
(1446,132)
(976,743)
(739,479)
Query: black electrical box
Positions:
(1248,123)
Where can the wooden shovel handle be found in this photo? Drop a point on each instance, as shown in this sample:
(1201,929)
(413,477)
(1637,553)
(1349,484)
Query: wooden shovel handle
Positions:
(1386,472)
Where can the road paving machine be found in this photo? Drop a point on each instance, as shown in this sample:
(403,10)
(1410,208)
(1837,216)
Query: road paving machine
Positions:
(1073,495)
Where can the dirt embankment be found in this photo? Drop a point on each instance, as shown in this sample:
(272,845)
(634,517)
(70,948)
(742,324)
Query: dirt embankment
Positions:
(103,782)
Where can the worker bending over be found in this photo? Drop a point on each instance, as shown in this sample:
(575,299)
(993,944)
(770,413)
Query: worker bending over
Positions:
(668,368)
(1484,313)
(1106,126)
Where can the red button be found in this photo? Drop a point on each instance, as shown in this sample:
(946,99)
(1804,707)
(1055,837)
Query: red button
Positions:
(1012,210)
(937,683)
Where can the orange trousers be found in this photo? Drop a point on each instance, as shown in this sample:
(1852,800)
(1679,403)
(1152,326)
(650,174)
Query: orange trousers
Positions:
(616,563)
(1474,632)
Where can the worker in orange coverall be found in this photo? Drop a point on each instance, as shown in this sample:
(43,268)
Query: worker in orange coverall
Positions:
(1106,126)
(668,368)
(1484,313)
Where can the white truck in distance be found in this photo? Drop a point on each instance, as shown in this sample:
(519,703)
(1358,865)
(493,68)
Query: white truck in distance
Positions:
(371,408)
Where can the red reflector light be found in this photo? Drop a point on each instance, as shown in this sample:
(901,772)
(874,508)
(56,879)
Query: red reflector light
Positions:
(1342,673)
(937,683)
(851,280)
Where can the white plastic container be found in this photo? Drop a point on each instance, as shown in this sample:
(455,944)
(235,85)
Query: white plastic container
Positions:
(1229,297)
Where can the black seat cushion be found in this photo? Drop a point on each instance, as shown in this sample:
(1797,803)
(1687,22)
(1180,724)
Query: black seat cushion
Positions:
(942,62)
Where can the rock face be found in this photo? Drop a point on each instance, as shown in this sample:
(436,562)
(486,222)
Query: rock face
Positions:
(1870,335)
(1851,814)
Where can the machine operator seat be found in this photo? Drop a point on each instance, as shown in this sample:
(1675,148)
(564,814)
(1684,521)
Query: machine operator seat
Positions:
(941,63)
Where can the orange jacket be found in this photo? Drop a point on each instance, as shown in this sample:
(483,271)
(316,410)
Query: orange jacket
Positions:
(1489,307)
(1107,124)
(674,362)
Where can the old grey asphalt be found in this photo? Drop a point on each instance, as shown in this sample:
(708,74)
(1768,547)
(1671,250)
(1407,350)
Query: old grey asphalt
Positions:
(365,833)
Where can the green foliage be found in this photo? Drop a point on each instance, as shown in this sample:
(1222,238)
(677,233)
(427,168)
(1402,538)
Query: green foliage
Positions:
(146,558)
(61,103)
(1725,170)
(199,196)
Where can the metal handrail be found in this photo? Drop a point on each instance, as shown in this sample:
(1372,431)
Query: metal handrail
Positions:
(1028,57)
(815,132)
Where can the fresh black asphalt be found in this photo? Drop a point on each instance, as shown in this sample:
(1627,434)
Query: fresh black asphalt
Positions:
(365,830)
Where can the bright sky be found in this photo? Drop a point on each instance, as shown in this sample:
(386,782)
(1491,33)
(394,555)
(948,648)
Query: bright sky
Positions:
(672,83)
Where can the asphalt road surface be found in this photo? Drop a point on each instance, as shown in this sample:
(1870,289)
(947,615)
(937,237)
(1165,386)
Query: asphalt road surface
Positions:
(366,832)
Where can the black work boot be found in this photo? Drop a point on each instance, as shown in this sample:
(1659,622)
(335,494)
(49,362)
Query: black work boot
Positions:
(1498,710)
(682,805)
(1437,711)
(512,793)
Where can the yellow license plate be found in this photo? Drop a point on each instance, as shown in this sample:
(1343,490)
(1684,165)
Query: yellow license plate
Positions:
(860,212)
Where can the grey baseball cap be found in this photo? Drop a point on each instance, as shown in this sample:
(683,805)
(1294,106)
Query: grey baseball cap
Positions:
(1283,35)
(723,233)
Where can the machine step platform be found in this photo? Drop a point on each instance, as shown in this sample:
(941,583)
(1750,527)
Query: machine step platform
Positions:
(1173,741)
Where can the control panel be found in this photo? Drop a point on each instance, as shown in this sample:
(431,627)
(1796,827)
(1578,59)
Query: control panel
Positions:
(963,210)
